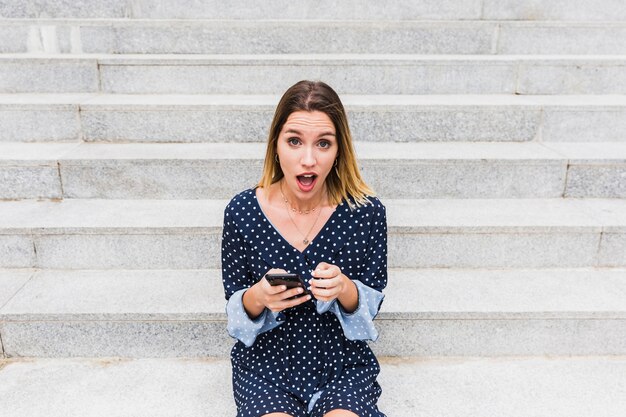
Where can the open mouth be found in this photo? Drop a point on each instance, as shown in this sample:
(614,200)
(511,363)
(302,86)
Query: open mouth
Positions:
(306,182)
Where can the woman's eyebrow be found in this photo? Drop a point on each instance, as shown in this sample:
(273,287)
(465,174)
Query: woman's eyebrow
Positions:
(297,132)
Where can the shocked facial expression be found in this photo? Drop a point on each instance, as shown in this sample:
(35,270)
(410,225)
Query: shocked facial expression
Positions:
(307,148)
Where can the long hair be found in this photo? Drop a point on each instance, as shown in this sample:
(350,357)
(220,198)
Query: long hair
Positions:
(345,180)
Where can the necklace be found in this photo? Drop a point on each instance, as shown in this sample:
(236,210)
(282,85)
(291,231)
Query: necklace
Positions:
(289,204)
(305,237)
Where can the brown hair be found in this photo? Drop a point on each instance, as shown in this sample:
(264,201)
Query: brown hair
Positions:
(345,180)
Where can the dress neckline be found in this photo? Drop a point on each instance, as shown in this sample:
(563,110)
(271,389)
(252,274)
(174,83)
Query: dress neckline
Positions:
(312,240)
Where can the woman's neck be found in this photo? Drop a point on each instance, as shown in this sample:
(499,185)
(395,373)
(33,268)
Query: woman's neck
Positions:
(298,205)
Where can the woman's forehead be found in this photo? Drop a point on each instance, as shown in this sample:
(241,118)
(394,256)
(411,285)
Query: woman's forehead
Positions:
(309,121)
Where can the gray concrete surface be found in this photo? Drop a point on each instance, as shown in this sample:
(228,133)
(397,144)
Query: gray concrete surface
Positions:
(204,170)
(349,74)
(313,36)
(612,10)
(275,9)
(473,233)
(446,387)
(245,118)
(426,312)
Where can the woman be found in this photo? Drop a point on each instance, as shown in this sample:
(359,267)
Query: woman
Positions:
(311,214)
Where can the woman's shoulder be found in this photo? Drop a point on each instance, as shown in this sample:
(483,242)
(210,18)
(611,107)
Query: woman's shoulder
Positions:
(240,201)
(371,206)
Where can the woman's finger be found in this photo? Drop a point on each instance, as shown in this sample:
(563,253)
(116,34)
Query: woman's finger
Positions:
(330,271)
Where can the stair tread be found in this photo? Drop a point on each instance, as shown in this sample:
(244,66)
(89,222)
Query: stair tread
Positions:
(326,59)
(523,215)
(411,294)
(446,387)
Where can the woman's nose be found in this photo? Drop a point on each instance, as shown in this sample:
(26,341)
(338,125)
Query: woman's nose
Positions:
(308,157)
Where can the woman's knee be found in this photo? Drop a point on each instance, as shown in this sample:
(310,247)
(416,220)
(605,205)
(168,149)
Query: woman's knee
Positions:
(340,413)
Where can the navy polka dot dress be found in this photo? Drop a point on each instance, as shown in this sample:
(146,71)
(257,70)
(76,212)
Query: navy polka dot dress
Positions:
(313,358)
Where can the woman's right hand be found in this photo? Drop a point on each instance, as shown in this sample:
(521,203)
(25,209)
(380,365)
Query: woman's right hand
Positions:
(276,298)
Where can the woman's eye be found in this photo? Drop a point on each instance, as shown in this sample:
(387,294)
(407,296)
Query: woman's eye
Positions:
(293,141)
(324,144)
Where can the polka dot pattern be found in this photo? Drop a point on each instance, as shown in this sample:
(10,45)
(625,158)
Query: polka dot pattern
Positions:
(313,358)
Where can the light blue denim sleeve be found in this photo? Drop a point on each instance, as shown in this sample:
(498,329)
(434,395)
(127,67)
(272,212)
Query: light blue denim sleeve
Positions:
(359,324)
(241,326)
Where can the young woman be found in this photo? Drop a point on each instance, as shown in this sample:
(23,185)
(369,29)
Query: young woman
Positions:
(305,354)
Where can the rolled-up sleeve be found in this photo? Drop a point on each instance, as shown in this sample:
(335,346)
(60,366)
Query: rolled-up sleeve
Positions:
(241,326)
(359,324)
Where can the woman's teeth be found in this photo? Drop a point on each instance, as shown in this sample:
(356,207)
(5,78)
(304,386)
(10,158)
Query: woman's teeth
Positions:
(306,179)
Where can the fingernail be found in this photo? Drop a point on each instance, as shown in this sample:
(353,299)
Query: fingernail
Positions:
(300,290)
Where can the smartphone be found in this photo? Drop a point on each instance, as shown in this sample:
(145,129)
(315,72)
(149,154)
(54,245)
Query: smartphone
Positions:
(289,280)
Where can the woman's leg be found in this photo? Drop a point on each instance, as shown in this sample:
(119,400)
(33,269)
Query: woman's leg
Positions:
(340,413)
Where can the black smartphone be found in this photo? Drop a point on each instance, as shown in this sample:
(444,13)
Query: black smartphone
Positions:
(289,280)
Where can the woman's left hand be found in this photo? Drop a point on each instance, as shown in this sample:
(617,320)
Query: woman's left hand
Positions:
(328,282)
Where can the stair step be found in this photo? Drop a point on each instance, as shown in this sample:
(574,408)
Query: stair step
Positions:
(205,170)
(348,74)
(115,36)
(245,118)
(472,387)
(608,10)
(446,387)
(60,313)
(179,234)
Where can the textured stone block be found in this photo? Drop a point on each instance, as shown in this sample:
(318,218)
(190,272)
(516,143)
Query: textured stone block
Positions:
(561,39)
(251,123)
(64,8)
(584,125)
(599,77)
(37,181)
(159,179)
(581,10)
(493,250)
(476,337)
(346,77)
(452,123)
(599,180)
(149,339)
(394,179)
(313,37)
(13,39)
(128,250)
(10,283)
(465,179)
(115,387)
(613,248)
(309,9)
(39,125)
(48,76)
(176,125)
(17,251)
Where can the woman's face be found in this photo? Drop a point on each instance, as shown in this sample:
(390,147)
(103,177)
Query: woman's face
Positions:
(307,148)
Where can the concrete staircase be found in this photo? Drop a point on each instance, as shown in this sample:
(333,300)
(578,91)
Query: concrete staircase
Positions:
(494,132)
